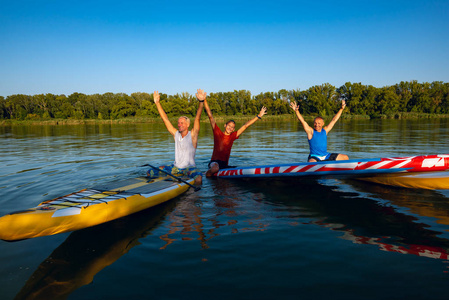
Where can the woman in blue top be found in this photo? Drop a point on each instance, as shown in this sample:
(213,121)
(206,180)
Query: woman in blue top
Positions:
(317,135)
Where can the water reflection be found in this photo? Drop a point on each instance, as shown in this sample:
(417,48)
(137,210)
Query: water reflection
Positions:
(425,203)
(43,162)
(364,219)
(86,252)
(221,209)
(384,245)
(231,207)
(241,206)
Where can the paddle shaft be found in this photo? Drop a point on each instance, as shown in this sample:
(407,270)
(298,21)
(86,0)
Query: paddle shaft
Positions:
(196,188)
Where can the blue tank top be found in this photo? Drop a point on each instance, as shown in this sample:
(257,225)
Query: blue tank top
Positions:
(318,143)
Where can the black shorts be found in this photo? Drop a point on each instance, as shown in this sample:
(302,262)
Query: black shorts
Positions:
(332,157)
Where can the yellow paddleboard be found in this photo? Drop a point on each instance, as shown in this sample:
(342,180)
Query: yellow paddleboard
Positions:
(426,180)
(90,207)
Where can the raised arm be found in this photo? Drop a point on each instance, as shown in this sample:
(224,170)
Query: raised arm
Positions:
(201,96)
(262,112)
(335,118)
(209,114)
(163,115)
(307,128)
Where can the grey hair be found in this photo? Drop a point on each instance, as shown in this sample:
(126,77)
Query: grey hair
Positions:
(186,118)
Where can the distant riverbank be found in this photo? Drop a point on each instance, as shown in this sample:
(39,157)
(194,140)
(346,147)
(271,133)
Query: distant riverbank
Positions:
(285,117)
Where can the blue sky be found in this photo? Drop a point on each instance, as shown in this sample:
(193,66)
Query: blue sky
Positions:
(90,47)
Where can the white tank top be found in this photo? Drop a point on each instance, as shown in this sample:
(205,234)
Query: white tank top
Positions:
(184,151)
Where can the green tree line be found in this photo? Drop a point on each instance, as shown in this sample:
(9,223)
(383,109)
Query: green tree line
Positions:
(324,100)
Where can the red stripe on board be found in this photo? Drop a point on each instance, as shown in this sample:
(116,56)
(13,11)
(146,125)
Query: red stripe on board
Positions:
(373,164)
(306,168)
(393,164)
(289,169)
(257,171)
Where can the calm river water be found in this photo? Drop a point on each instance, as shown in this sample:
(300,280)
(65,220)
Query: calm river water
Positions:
(323,239)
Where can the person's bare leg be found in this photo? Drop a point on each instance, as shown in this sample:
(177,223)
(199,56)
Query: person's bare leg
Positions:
(214,168)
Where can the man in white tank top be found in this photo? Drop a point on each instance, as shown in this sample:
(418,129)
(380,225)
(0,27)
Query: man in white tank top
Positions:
(185,140)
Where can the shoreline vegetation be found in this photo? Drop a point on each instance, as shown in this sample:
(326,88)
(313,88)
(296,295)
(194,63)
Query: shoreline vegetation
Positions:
(405,100)
(219,119)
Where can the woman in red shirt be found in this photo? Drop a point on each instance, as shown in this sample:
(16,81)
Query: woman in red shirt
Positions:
(223,141)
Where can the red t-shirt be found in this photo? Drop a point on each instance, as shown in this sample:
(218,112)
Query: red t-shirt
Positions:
(222,144)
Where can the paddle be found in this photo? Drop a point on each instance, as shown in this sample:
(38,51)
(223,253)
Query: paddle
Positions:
(196,188)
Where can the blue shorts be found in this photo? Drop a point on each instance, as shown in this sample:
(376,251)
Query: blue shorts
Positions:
(191,172)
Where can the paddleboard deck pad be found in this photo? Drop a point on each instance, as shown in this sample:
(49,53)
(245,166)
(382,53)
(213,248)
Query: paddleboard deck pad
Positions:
(90,207)
(344,168)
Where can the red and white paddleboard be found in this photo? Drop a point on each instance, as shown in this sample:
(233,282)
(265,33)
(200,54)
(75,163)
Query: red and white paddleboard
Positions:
(347,168)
